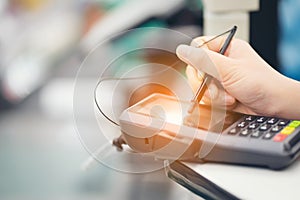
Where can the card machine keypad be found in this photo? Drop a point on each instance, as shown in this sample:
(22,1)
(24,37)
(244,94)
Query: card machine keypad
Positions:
(265,128)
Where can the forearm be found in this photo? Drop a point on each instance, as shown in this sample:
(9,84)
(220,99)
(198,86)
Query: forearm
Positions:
(288,99)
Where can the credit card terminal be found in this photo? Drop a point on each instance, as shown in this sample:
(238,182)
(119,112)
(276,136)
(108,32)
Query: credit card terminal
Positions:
(156,126)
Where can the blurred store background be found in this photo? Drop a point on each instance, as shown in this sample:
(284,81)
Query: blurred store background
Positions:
(42,45)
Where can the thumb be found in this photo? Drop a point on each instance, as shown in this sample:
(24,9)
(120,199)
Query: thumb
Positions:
(205,60)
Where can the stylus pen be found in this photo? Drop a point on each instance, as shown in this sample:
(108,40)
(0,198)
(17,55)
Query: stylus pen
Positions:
(207,78)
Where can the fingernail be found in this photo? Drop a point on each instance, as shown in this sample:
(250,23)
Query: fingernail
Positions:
(200,75)
(229,100)
(183,50)
(213,92)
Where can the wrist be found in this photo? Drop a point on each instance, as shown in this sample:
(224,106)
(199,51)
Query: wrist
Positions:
(287,101)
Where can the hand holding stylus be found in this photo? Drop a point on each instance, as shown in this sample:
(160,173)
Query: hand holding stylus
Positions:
(207,78)
(251,84)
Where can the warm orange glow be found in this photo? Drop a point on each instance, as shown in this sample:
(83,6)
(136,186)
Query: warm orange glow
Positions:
(173,111)
(169,110)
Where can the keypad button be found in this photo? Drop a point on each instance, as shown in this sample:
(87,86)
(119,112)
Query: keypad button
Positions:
(245,132)
(256,134)
(242,124)
(287,130)
(265,127)
(294,124)
(234,131)
(279,137)
(272,120)
(250,118)
(276,129)
(268,136)
(261,119)
(253,126)
(283,122)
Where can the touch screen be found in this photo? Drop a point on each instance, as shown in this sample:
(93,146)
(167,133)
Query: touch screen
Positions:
(173,111)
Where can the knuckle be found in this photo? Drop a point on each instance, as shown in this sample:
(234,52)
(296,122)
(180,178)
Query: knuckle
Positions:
(241,42)
(197,41)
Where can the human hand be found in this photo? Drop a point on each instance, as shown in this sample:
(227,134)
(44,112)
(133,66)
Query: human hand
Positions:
(252,86)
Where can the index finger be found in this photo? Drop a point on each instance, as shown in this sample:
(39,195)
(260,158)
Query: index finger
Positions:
(213,45)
